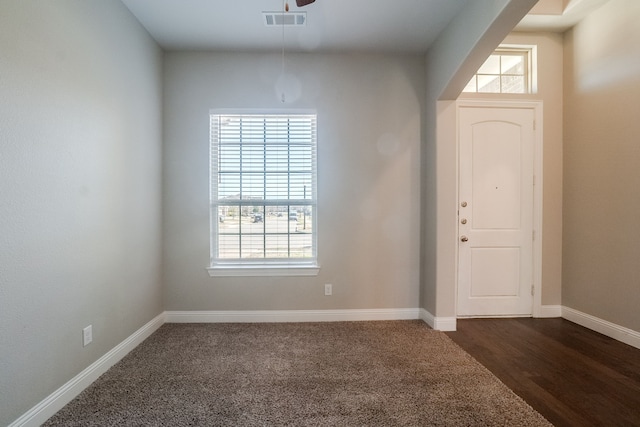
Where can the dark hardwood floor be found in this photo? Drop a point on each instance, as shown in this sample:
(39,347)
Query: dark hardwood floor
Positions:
(571,375)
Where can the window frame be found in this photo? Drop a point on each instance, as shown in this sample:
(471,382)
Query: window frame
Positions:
(529,53)
(284,266)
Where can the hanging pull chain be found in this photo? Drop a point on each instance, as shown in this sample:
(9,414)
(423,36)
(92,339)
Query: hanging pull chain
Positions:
(285,8)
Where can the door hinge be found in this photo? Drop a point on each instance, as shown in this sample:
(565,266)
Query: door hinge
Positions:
(533,290)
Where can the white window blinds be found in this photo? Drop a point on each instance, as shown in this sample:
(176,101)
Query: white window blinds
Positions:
(263,188)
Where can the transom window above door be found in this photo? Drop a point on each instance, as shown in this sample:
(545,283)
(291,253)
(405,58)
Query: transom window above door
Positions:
(507,70)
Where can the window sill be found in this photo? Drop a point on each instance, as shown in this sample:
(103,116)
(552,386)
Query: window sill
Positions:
(263,270)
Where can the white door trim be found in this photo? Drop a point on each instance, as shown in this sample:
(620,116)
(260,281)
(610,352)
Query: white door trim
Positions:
(536,106)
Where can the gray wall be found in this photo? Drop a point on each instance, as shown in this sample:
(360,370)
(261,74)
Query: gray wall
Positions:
(80,157)
(601,239)
(369,113)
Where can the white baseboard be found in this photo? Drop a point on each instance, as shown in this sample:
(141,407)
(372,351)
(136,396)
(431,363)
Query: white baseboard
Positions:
(617,332)
(277,316)
(445,324)
(547,311)
(59,398)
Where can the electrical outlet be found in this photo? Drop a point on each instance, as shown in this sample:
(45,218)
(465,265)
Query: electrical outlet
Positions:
(87,335)
(328,289)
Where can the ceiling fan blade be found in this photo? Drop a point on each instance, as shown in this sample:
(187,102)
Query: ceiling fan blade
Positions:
(301,3)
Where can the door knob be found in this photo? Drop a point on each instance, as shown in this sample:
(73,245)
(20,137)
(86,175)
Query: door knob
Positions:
(464,239)
(463,221)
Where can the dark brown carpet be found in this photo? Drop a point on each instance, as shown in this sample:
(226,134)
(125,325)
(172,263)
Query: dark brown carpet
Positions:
(398,373)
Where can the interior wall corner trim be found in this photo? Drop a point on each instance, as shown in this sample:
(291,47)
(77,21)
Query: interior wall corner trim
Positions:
(445,324)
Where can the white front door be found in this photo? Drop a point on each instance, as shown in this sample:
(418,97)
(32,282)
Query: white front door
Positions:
(495,211)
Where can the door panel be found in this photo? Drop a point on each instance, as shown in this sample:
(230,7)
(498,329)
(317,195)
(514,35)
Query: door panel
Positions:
(496,173)
(495,266)
(495,272)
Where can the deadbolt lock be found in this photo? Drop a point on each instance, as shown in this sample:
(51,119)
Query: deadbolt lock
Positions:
(463,204)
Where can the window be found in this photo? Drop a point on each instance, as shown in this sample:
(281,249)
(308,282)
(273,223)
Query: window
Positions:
(507,70)
(263,194)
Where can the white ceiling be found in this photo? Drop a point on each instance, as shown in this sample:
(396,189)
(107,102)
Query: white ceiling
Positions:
(557,15)
(332,25)
(404,26)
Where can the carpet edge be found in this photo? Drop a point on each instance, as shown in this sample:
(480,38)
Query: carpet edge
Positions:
(277,316)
